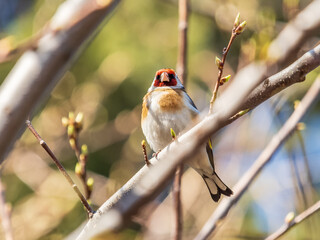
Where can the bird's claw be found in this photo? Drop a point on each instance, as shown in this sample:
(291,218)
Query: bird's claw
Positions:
(156,154)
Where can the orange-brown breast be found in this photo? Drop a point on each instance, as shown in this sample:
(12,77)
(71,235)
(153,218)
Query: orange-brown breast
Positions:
(144,112)
(171,102)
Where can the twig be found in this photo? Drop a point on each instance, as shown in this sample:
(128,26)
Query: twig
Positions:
(61,168)
(182,71)
(236,30)
(8,53)
(144,151)
(176,192)
(298,219)
(306,165)
(298,185)
(177,202)
(5,214)
(67,34)
(183,40)
(74,125)
(243,184)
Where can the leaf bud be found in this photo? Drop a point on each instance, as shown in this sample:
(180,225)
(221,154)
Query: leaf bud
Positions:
(173,134)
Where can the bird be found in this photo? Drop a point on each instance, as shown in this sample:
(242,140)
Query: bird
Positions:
(167,105)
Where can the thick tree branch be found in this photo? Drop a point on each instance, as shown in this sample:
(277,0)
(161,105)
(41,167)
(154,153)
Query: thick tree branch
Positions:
(152,181)
(225,205)
(276,83)
(148,182)
(39,69)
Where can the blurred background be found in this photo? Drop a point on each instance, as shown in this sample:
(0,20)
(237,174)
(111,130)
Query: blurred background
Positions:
(107,84)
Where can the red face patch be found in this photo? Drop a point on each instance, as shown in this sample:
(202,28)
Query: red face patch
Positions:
(171,75)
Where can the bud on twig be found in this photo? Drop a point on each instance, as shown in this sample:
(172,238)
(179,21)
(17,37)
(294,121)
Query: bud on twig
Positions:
(77,169)
(72,143)
(218,63)
(71,116)
(71,131)
(79,120)
(241,27)
(236,21)
(301,126)
(225,79)
(173,134)
(65,121)
(289,218)
(144,150)
(296,104)
(82,157)
(90,183)
(84,149)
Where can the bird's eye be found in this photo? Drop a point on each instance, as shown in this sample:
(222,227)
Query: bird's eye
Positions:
(171,76)
(158,77)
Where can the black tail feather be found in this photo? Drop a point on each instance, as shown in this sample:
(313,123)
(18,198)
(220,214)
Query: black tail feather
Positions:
(216,186)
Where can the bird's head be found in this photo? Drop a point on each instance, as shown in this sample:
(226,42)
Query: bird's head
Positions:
(166,78)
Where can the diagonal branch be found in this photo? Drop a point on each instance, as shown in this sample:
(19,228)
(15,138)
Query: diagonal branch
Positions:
(145,185)
(39,69)
(222,210)
(61,169)
(271,86)
(298,219)
(115,212)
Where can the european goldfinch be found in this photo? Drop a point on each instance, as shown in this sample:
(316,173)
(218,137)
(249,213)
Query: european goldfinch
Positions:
(167,105)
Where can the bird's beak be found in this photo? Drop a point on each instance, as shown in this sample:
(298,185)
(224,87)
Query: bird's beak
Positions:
(164,77)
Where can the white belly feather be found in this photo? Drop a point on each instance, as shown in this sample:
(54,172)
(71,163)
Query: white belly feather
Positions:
(156,126)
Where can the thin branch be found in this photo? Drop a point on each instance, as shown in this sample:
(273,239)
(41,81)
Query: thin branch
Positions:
(8,53)
(38,70)
(269,87)
(144,151)
(61,168)
(153,180)
(298,219)
(297,182)
(275,143)
(74,126)
(284,48)
(177,202)
(183,40)
(236,30)
(182,71)
(5,214)
(306,166)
